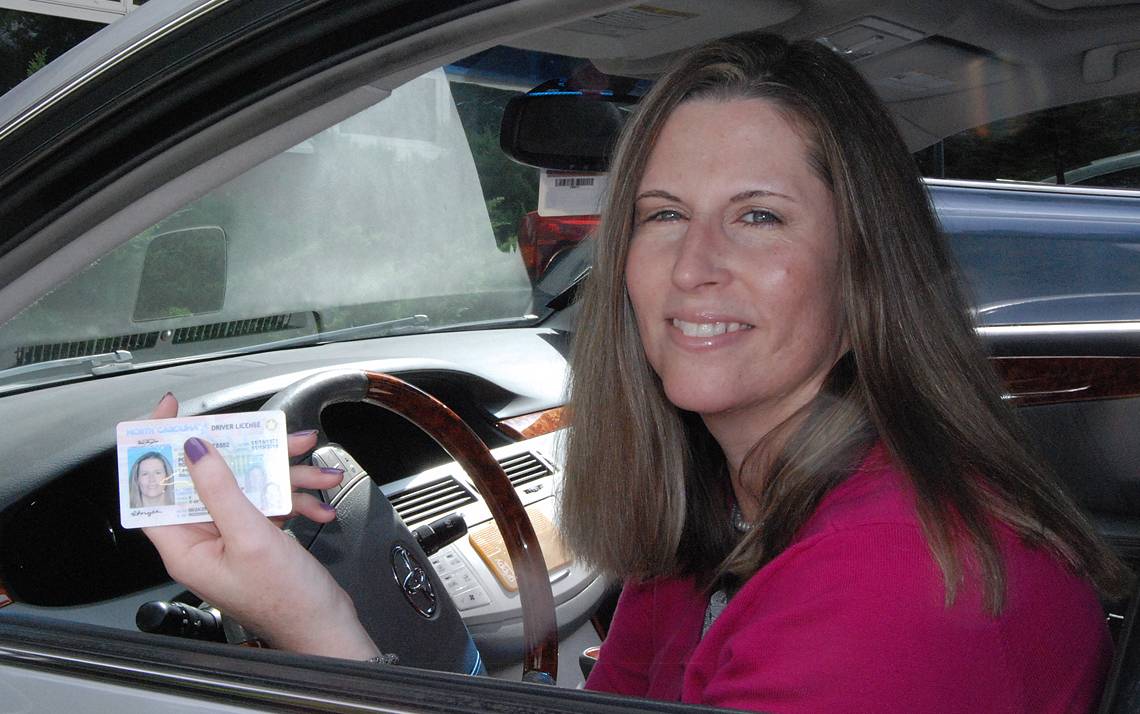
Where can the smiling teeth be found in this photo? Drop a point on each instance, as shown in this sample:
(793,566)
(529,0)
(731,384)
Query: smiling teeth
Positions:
(708,329)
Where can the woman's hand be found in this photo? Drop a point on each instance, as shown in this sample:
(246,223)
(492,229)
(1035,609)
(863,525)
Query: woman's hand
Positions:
(249,568)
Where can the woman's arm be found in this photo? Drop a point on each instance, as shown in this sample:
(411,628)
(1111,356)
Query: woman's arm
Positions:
(244,564)
(655,628)
(624,661)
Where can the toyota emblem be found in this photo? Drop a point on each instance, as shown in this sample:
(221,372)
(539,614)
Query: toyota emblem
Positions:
(413,580)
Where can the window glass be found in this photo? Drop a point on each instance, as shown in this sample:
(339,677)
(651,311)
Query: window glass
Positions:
(380,219)
(30,40)
(1094,143)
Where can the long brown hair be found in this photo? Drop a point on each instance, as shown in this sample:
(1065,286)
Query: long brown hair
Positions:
(646,492)
(136,497)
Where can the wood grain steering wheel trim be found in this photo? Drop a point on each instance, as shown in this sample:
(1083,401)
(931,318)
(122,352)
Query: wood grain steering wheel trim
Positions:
(540,632)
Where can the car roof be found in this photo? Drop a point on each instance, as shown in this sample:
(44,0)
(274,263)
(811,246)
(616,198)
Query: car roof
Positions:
(941,67)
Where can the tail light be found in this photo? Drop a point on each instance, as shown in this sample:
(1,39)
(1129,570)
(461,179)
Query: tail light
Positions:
(541,238)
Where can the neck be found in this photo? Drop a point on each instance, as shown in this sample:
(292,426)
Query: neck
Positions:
(738,433)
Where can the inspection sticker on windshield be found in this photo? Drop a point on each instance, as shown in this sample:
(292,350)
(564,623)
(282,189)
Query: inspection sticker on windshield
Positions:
(154,484)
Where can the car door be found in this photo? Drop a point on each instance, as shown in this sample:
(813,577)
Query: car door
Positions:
(168,105)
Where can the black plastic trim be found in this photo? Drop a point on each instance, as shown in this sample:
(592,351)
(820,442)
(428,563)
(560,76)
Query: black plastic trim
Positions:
(283,681)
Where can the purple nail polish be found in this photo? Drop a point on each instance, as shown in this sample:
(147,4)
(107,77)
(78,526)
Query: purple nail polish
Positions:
(328,507)
(332,470)
(304,432)
(195,449)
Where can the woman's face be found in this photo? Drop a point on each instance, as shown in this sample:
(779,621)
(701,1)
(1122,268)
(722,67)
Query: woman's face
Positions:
(733,265)
(152,478)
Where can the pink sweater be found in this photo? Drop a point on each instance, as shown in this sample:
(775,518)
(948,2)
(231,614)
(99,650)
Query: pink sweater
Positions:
(852,618)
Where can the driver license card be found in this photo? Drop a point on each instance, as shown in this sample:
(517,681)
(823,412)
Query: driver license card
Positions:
(154,484)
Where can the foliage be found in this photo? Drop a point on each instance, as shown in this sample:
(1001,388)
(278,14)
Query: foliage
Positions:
(509,188)
(37,62)
(30,40)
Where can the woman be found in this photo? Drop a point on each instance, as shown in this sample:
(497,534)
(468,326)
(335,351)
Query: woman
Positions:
(150,476)
(831,507)
(822,504)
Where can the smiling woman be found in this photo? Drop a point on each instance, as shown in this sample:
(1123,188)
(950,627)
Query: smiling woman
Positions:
(734,263)
(788,442)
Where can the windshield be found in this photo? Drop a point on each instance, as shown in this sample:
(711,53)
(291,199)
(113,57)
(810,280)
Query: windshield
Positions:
(399,219)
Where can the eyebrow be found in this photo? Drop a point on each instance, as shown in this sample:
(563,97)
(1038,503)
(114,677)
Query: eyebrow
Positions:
(759,193)
(656,193)
(742,196)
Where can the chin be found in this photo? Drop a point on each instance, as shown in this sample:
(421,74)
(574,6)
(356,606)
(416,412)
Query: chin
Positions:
(700,401)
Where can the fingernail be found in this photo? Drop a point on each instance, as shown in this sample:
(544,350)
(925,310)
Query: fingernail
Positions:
(195,449)
(166,396)
(328,507)
(305,432)
(332,470)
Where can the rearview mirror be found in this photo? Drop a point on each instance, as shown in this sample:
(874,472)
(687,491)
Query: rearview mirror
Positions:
(564,130)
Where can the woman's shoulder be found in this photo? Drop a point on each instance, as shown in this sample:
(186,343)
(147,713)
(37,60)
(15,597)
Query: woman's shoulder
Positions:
(870,523)
(877,493)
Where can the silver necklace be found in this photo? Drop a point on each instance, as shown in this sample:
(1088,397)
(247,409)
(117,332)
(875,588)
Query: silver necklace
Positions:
(738,522)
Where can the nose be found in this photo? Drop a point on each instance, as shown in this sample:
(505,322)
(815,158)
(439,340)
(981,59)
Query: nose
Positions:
(700,260)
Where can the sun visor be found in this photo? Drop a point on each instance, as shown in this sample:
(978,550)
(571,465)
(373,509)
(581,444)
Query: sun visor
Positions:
(932,67)
(640,38)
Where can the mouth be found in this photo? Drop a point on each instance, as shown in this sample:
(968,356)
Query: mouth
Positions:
(709,329)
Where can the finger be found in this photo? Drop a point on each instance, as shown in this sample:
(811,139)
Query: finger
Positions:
(166,408)
(315,478)
(233,514)
(313,508)
(302,442)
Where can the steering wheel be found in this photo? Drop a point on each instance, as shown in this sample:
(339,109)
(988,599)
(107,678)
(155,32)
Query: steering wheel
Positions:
(375,558)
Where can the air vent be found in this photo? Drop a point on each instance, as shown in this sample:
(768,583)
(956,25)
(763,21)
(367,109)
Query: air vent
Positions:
(430,501)
(233,328)
(33,354)
(524,468)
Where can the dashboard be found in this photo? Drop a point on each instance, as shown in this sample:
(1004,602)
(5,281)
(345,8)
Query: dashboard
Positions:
(66,556)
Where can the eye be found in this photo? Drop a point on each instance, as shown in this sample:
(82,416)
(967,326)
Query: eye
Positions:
(663,216)
(759,216)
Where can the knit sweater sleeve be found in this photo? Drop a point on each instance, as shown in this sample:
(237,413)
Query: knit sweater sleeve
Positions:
(624,662)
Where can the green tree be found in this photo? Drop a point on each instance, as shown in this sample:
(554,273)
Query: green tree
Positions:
(30,40)
(37,62)
(509,188)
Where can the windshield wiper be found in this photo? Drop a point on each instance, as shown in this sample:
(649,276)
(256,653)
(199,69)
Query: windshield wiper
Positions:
(87,365)
(374,329)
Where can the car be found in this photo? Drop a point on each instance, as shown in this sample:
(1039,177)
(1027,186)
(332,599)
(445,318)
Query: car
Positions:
(1118,171)
(317,206)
